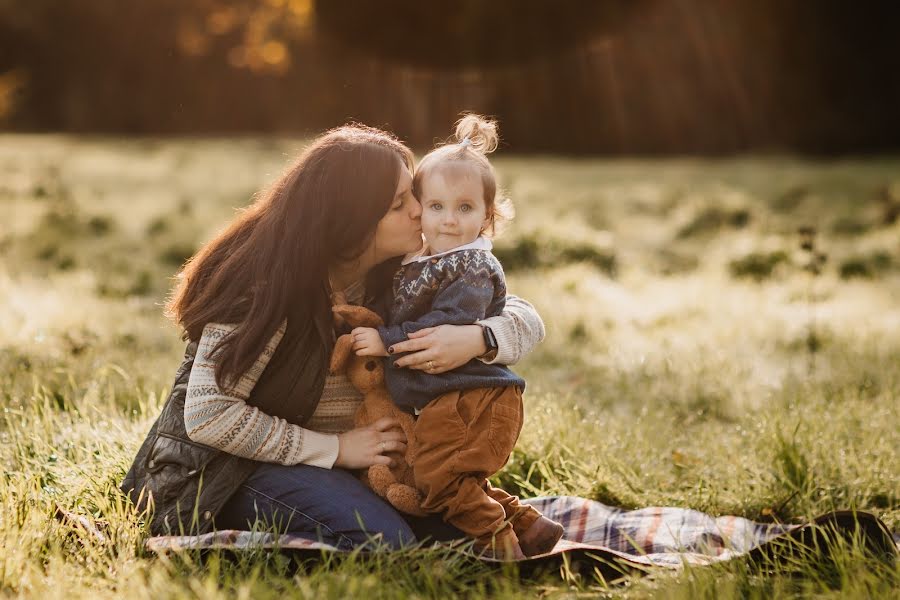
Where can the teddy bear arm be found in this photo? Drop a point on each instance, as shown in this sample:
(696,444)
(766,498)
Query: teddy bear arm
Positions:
(343,348)
(358,316)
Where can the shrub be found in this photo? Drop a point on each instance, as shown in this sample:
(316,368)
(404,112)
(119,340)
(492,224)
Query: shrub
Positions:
(757,265)
(532,252)
(143,284)
(712,219)
(605,260)
(849,226)
(100,225)
(870,265)
(790,200)
(523,254)
(157,226)
(176,254)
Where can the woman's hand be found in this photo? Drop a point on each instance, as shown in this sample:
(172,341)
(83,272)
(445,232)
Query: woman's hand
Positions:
(442,348)
(363,447)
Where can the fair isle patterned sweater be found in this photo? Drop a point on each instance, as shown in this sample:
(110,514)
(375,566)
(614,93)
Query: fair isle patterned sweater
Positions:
(456,287)
(225,421)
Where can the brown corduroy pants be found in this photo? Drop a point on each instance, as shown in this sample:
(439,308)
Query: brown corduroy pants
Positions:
(461,439)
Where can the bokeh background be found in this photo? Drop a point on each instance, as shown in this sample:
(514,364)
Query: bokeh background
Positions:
(570,76)
(708,221)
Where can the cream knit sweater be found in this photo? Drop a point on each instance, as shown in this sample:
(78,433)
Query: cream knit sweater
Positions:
(225,421)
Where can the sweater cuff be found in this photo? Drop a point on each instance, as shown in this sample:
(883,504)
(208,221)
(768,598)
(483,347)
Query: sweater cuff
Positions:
(391,335)
(319,449)
(505,334)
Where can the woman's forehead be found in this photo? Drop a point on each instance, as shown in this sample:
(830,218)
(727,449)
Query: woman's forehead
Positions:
(404,182)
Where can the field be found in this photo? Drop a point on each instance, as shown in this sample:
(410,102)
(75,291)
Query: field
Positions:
(700,352)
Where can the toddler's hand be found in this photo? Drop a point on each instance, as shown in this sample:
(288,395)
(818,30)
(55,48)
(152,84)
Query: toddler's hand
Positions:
(367,342)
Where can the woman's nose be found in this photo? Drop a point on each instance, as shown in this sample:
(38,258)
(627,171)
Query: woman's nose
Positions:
(416,211)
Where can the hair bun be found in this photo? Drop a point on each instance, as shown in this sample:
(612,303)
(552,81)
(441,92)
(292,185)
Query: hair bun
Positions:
(481,131)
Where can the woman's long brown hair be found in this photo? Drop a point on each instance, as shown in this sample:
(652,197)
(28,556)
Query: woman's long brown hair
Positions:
(271,262)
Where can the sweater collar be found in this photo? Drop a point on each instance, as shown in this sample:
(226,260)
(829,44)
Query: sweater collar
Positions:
(480,243)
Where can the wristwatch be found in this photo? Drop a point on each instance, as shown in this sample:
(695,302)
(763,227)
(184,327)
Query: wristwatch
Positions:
(490,342)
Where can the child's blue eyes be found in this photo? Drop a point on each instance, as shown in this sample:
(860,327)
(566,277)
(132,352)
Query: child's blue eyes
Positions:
(439,206)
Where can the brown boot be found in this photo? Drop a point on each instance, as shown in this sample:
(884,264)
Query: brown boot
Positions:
(541,537)
(502,546)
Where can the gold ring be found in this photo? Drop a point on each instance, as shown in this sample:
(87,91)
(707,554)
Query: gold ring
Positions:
(430,365)
(382,445)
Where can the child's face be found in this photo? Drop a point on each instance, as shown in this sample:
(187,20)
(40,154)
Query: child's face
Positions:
(453,210)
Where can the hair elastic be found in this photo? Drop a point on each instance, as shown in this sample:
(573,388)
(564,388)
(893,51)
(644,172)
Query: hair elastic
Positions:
(465,142)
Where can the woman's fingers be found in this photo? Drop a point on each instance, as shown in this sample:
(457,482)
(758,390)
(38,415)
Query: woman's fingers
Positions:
(412,344)
(366,446)
(421,365)
(420,333)
(393,446)
(423,361)
(389,437)
(420,358)
(385,423)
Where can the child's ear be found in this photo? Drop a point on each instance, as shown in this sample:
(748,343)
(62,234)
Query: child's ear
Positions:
(486,224)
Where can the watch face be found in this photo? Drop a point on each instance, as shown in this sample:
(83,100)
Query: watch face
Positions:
(489,340)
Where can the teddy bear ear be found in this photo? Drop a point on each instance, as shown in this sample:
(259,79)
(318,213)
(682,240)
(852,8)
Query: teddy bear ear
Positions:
(343,348)
(357,316)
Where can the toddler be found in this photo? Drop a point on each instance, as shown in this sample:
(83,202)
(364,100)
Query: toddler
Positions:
(469,418)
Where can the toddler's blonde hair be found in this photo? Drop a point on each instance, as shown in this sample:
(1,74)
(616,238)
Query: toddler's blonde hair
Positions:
(474,138)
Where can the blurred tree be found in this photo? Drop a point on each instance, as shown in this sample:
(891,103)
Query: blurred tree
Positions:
(260,31)
(577,76)
(472,33)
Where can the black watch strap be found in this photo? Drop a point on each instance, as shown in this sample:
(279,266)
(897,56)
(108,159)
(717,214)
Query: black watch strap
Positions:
(490,342)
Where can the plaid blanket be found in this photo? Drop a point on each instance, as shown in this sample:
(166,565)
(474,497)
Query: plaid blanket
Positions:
(617,539)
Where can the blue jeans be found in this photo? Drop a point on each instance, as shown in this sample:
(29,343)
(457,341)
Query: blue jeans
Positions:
(327,505)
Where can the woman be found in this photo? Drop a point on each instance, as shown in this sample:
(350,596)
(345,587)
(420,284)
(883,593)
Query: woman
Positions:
(255,427)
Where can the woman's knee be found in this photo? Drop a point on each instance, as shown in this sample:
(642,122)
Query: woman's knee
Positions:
(382,525)
(399,535)
(331,503)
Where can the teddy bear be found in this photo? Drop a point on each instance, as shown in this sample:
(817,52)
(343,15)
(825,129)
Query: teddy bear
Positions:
(366,373)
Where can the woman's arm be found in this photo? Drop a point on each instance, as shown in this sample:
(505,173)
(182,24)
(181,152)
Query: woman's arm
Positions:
(518,329)
(226,422)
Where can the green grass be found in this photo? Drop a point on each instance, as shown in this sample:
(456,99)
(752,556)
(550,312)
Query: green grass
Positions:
(690,360)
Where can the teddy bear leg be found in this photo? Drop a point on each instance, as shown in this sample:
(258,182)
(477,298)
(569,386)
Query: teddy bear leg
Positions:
(408,425)
(380,478)
(406,499)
